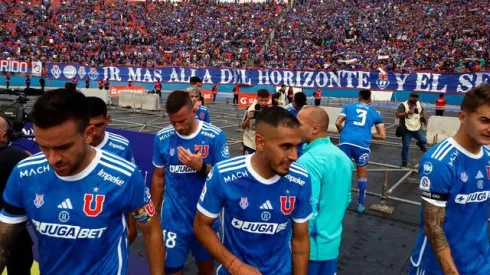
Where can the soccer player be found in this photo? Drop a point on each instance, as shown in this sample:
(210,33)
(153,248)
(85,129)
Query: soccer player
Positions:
(260,196)
(326,164)
(76,196)
(201,111)
(183,155)
(355,137)
(299,100)
(454,184)
(116,144)
(110,142)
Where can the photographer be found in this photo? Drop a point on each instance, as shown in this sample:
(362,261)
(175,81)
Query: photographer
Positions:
(21,258)
(411,115)
(248,123)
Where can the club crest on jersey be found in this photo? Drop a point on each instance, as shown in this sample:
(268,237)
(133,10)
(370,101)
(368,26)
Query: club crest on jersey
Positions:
(244,202)
(172,152)
(204,149)
(287,204)
(464,177)
(88,202)
(39,200)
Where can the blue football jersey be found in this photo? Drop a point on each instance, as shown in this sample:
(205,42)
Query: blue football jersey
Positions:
(257,211)
(457,180)
(203,114)
(79,220)
(118,145)
(291,109)
(359,119)
(183,184)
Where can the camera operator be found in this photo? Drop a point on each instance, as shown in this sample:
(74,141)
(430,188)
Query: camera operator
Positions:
(411,115)
(248,123)
(21,258)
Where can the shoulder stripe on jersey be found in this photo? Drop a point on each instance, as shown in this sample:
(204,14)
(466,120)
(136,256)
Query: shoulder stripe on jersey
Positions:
(231,160)
(125,143)
(298,172)
(439,148)
(211,127)
(39,155)
(115,168)
(228,164)
(444,148)
(117,136)
(166,129)
(119,161)
(210,130)
(232,168)
(29,163)
(120,138)
(443,155)
(298,167)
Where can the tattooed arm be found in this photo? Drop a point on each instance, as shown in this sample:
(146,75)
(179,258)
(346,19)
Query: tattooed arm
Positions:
(433,220)
(8,234)
(300,246)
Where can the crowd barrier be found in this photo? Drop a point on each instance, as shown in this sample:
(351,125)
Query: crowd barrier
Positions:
(102,94)
(149,102)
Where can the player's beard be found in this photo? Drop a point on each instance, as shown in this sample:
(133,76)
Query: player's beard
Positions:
(279,172)
(78,162)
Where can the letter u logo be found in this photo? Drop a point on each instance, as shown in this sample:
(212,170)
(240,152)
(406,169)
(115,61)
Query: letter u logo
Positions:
(287,204)
(204,149)
(87,205)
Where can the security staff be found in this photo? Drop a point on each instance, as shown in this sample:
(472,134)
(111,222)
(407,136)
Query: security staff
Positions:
(21,258)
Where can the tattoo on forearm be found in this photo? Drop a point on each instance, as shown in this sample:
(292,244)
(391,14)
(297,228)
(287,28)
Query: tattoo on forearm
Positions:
(8,233)
(299,253)
(433,220)
(447,267)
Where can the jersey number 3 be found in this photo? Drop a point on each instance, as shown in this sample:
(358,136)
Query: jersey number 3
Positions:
(361,114)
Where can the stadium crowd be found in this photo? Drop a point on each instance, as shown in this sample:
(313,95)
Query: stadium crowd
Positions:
(446,36)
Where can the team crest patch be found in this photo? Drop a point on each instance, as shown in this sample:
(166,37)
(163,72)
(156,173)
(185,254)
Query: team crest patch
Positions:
(39,200)
(202,115)
(172,152)
(244,203)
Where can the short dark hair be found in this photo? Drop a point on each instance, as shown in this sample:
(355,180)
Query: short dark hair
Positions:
(365,94)
(195,79)
(96,106)
(176,100)
(300,99)
(58,106)
(262,93)
(441,95)
(476,97)
(277,116)
(70,86)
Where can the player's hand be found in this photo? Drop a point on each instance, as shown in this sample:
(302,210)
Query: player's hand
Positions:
(197,104)
(410,111)
(189,159)
(250,114)
(239,268)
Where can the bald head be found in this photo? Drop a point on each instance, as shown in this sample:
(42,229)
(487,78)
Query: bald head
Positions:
(3,130)
(315,115)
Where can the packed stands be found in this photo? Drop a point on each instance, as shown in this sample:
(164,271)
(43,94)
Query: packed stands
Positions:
(446,36)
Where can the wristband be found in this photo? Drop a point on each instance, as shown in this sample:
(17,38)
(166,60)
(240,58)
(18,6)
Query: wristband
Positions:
(203,167)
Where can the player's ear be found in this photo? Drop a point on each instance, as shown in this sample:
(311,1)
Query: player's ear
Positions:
(107,119)
(89,133)
(259,142)
(462,116)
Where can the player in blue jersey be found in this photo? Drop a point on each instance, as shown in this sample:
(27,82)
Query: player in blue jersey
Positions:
(183,155)
(116,144)
(259,196)
(299,100)
(201,111)
(110,142)
(76,196)
(455,188)
(355,137)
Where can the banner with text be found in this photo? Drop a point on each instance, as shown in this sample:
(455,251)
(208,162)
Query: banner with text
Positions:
(114,91)
(424,82)
(14,66)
